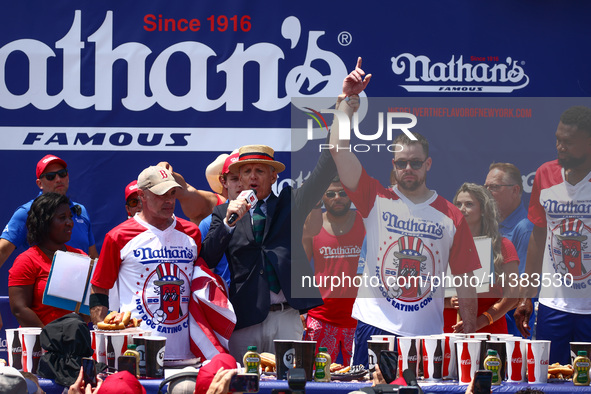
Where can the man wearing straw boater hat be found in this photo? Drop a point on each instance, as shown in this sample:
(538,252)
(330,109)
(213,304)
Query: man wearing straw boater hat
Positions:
(258,245)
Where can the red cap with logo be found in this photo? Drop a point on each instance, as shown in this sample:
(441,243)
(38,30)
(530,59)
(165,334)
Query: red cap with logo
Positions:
(130,189)
(47,160)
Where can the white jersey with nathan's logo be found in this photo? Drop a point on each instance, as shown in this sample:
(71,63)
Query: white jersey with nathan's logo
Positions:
(153,268)
(565,211)
(407,245)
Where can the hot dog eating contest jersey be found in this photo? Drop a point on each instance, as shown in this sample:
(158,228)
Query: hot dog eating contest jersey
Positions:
(404,241)
(154,270)
(565,211)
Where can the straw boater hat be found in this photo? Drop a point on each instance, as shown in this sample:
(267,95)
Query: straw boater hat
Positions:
(213,172)
(257,154)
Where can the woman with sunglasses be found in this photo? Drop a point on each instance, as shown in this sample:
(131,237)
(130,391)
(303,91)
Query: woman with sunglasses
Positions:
(480,211)
(49,226)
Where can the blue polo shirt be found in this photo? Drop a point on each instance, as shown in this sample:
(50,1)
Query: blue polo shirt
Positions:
(517,228)
(16,229)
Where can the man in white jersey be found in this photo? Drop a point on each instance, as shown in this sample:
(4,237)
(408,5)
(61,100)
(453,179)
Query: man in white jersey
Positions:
(151,257)
(412,233)
(559,251)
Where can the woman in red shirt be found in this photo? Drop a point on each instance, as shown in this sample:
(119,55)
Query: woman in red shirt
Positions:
(480,211)
(49,227)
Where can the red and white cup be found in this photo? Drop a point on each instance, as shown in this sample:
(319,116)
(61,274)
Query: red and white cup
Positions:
(115,346)
(468,351)
(538,358)
(450,360)
(516,359)
(14,348)
(32,351)
(408,354)
(433,347)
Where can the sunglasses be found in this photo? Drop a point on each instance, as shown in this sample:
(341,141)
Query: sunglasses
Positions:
(332,194)
(132,202)
(414,164)
(494,188)
(50,176)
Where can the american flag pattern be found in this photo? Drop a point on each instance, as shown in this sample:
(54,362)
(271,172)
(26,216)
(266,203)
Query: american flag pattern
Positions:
(211,315)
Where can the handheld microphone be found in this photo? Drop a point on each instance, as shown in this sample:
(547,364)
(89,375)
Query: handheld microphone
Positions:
(410,378)
(250,196)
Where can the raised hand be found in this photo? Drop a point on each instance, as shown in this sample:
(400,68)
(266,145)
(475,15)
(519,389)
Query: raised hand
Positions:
(355,82)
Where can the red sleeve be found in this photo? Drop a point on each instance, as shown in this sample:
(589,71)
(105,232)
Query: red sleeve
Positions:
(191,229)
(536,213)
(24,270)
(220,200)
(508,251)
(107,269)
(463,257)
(365,195)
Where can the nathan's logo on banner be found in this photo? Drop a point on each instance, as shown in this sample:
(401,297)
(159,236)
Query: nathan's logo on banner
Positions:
(457,76)
(148,78)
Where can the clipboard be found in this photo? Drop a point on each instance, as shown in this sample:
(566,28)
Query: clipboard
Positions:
(68,284)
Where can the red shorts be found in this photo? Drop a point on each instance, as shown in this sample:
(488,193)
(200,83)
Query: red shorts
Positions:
(332,337)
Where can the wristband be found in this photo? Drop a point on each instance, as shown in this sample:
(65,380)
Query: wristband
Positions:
(489,317)
(98,300)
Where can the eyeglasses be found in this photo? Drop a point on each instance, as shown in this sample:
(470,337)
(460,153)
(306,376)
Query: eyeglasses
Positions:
(50,176)
(494,188)
(132,202)
(414,164)
(332,194)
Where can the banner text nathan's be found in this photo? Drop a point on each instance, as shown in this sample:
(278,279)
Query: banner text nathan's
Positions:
(266,55)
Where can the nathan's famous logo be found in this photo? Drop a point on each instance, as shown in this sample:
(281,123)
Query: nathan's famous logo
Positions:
(345,129)
(571,242)
(168,283)
(148,77)
(407,266)
(455,76)
(412,226)
(149,255)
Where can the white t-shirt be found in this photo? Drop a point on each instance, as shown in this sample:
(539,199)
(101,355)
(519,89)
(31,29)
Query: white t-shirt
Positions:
(404,240)
(154,269)
(565,211)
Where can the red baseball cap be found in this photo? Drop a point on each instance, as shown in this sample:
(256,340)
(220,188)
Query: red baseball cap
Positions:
(47,160)
(130,189)
(208,371)
(233,158)
(121,383)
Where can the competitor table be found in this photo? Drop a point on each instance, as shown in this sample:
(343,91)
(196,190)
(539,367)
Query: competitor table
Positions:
(345,387)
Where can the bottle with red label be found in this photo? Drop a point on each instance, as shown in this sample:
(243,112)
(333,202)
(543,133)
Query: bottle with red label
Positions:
(516,363)
(465,364)
(493,363)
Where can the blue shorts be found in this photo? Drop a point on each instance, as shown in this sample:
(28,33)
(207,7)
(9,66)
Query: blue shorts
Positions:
(363,333)
(562,328)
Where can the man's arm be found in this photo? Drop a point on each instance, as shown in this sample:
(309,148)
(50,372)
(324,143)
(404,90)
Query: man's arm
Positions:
(99,312)
(312,227)
(219,235)
(196,204)
(6,249)
(468,303)
(348,166)
(535,258)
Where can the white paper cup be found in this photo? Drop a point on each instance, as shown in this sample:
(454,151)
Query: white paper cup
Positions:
(115,346)
(31,341)
(408,354)
(391,339)
(468,351)
(14,347)
(538,358)
(450,361)
(516,359)
(433,358)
